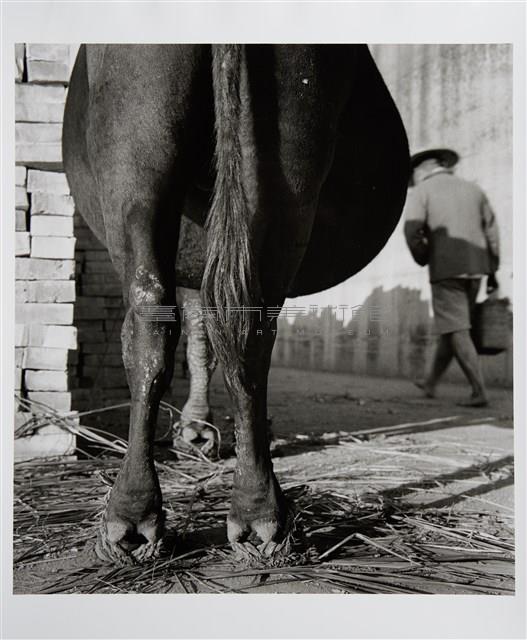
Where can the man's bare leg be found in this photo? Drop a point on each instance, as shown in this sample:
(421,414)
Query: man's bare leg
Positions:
(442,358)
(466,354)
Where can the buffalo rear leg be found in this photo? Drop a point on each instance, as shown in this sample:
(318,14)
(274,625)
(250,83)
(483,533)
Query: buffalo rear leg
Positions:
(137,122)
(291,131)
(259,512)
(133,522)
(201,365)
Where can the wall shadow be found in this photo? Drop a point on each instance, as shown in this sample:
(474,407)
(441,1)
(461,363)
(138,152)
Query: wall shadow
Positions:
(503,465)
(388,335)
(391,334)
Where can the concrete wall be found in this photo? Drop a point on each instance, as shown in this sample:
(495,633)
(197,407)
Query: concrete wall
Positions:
(457,96)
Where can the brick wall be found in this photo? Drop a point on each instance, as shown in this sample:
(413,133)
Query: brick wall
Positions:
(45,267)
(97,378)
(69,307)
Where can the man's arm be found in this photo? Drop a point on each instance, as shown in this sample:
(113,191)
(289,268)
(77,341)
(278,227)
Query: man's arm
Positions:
(490,229)
(415,229)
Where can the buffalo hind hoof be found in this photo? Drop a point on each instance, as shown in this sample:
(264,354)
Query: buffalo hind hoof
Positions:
(265,542)
(123,543)
(202,436)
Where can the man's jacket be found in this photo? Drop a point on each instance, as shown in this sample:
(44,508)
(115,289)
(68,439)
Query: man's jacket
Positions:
(451,227)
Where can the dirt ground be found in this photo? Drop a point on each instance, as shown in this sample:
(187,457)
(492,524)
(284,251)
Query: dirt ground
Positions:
(316,402)
(357,439)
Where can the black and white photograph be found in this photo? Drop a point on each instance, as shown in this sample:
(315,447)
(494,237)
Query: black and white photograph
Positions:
(266,319)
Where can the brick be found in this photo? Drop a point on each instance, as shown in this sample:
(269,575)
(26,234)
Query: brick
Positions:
(40,93)
(60,401)
(87,334)
(21,199)
(49,442)
(58,337)
(109,290)
(47,182)
(44,313)
(21,291)
(20,176)
(46,380)
(86,240)
(52,204)
(114,303)
(118,394)
(86,397)
(48,52)
(52,291)
(38,112)
(22,244)
(109,360)
(19,356)
(19,61)
(39,156)
(19,375)
(80,223)
(99,279)
(107,347)
(88,302)
(38,103)
(96,373)
(114,315)
(51,226)
(38,144)
(20,220)
(43,71)
(109,378)
(21,335)
(90,313)
(45,290)
(52,247)
(45,358)
(95,396)
(113,329)
(73,358)
(99,267)
(36,269)
(97,255)
(97,325)
(37,133)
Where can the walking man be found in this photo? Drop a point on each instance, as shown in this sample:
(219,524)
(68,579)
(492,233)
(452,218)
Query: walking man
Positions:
(451,227)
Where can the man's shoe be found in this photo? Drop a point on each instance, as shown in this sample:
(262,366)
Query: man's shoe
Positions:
(428,390)
(474,401)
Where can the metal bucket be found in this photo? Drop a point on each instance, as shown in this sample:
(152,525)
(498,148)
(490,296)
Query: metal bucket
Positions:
(492,326)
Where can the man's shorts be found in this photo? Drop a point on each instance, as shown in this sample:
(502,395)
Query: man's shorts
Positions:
(453,301)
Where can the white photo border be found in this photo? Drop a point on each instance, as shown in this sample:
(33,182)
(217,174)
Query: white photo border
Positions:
(262,616)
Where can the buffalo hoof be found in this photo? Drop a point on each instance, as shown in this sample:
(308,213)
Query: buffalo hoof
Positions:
(260,529)
(129,539)
(124,544)
(203,436)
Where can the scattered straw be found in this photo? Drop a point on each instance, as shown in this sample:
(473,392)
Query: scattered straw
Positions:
(360,532)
